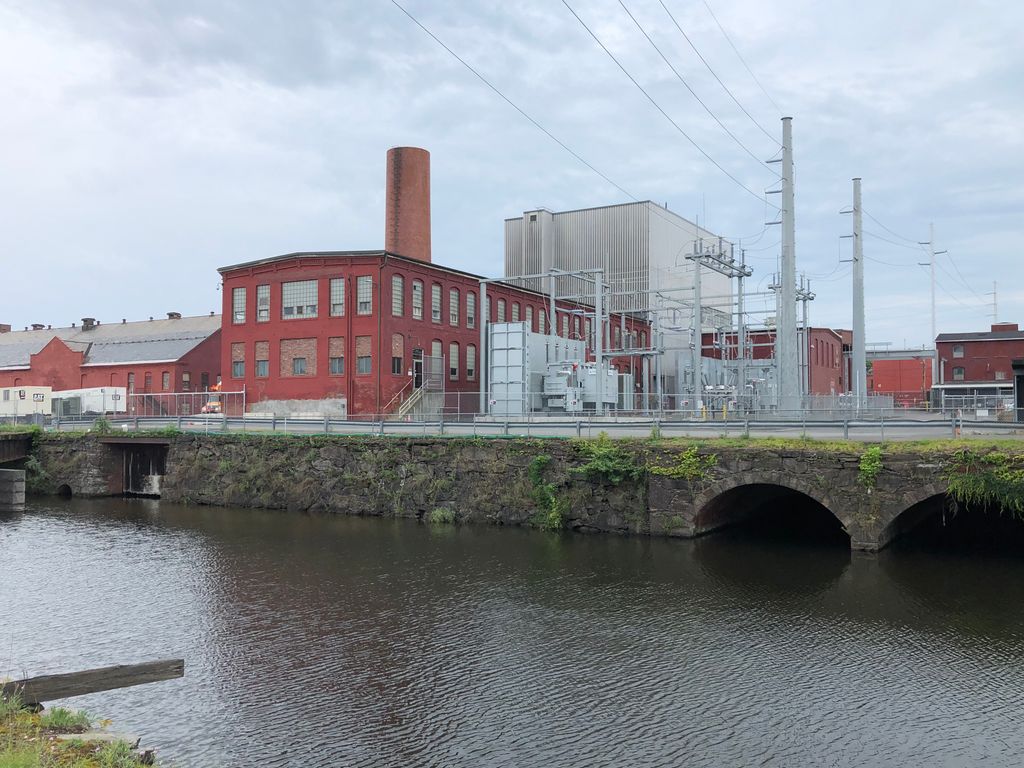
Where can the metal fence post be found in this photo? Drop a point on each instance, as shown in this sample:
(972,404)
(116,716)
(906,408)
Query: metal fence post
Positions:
(746,427)
(579,427)
(846,429)
(883,426)
(327,425)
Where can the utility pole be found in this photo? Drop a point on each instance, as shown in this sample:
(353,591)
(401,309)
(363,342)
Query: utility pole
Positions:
(860,371)
(932,253)
(995,304)
(785,338)
(698,323)
(741,334)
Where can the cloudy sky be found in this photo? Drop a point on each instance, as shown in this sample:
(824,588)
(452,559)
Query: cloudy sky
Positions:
(144,144)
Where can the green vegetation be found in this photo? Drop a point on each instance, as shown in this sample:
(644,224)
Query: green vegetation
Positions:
(29,740)
(551,510)
(441,516)
(870,466)
(690,465)
(607,460)
(988,479)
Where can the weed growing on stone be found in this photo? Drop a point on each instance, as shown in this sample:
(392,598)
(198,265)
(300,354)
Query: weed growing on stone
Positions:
(870,466)
(551,510)
(690,465)
(607,461)
(441,516)
(988,479)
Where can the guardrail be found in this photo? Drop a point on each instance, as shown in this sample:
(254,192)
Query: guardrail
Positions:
(854,429)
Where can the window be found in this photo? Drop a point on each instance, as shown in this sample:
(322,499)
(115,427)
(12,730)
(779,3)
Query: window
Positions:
(186,381)
(1000,375)
(238,305)
(397,353)
(262,303)
(238,359)
(165,381)
(364,357)
(417,300)
(298,366)
(261,353)
(565,326)
(131,382)
(397,295)
(589,337)
(336,355)
(298,300)
(435,303)
(576,327)
(204,380)
(958,350)
(337,296)
(501,310)
(453,306)
(297,357)
(364,295)
(262,369)
(453,361)
(471,310)
(618,338)
(238,369)
(529,318)
(542,321)
(471,362)
(515,311)
(958,374)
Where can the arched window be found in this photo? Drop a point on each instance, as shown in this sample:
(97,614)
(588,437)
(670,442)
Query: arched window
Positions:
(470,310)
(453,306)
(417,299)
(471,362)
(453,361)
(542,322)
(435,302)
(501,311)
(529,317)
(618,337)
(515,311)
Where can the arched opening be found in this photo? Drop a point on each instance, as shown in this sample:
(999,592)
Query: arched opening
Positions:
(769,511)
(940,523)
(64,491)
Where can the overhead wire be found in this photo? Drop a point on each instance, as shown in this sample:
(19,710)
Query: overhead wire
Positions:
(660,109)
(742,60)
(715,75)
(693,93)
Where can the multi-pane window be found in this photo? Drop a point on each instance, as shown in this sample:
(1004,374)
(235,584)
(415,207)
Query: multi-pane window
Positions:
(336,355)
(298,366)
(149,381)
(487,309)
(471,310)
(515,311)
(397,353)
(542,321)
(364,355)
(262,303)
(618,338)
(186,381)
(131,382)
(453,306)
(958,350)
(238,359)
(501,310)
(298,299)
(453,361)
(165,381)
(261,353)
(529,317)
(435,303)
(238,305)
(435,349)
(576,327)
(565,326)
(958,374)
(262,369)
(417,300)
(237,369)
(471,362)
(337,296)
(364,295)
(397,295)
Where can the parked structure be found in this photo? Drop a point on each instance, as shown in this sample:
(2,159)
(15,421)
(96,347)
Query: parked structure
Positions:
(976,368)
(176,354)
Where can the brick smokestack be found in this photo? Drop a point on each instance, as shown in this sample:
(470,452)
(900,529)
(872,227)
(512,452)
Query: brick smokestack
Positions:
(407,211)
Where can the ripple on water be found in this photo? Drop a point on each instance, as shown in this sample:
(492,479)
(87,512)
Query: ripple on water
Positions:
(334,641)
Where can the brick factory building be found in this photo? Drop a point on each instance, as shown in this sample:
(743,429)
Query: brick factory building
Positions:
(366,327)
(977,365)
(173,354)
(905,376)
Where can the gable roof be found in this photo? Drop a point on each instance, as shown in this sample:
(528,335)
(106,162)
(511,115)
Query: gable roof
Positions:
(144,341)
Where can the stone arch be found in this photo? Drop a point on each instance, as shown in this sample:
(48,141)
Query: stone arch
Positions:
(708,516)
(912,508)
(64,491)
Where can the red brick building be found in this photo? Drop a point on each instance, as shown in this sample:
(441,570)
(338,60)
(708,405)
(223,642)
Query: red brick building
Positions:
(907,379)
(176,354)
(827,373)
(359,325)
(978,364)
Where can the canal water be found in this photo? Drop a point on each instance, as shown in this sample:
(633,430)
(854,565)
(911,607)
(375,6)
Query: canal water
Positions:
(336,641)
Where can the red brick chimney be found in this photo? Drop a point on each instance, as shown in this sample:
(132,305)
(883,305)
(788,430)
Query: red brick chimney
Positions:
(407,211)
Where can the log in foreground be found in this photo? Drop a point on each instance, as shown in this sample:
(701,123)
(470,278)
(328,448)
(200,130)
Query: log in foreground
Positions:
(35,690)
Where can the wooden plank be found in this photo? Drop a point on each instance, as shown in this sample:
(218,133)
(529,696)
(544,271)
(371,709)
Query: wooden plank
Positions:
(34,690)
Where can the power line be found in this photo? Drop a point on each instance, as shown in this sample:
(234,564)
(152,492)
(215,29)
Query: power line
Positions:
(724,86)
(657,209)
(693,93)
(891,232)
(657,106)
(738,56)
(916,247)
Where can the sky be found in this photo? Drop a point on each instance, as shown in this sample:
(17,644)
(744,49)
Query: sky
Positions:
(145,144)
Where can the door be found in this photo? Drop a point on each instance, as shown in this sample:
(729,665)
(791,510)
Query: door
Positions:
(417,368)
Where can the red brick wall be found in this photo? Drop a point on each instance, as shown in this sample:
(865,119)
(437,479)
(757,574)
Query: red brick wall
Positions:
(907,380)
(982,360)
(407,206)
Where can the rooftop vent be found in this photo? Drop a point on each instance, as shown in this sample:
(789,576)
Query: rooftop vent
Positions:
(174,315)
(88,323)
(6,328)
(37,326)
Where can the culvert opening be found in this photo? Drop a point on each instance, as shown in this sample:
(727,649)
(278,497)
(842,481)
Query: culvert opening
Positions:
(774,513)
(64,491)
(942,524)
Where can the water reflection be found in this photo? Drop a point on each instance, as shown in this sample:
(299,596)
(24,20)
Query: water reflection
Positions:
(348,641)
